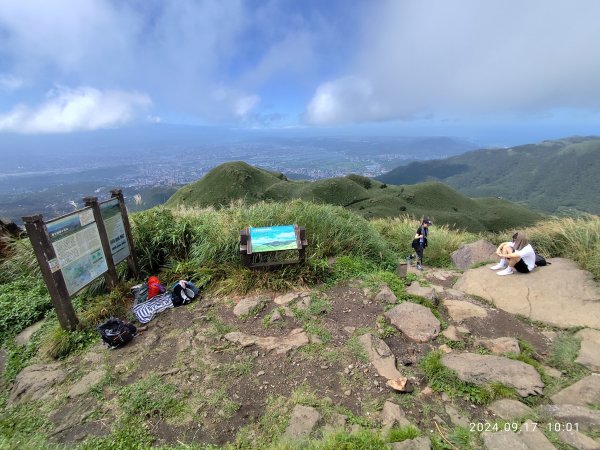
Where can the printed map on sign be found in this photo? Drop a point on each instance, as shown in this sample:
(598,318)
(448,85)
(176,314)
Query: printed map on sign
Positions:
(78,249)
(115,230)
(269,239)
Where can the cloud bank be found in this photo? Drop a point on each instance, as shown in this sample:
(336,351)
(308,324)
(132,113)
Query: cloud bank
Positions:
(467,57)
(67,110)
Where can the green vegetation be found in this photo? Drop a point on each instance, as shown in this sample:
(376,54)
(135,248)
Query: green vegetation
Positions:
(558,177)
(236,181)
(442,379)
(150,397)
(399,434)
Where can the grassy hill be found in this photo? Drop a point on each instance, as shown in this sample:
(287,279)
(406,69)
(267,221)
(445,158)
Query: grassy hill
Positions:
(559,177)
(369,198)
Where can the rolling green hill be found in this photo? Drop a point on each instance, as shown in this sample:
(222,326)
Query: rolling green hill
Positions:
(558,177)
(369,198)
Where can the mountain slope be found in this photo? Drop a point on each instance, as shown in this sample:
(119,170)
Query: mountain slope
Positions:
(369,198)
(554,176)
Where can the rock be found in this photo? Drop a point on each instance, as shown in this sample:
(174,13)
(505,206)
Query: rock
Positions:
(586,418)
(420,443)
(560,294)
(302,422)
(586,392)
(551,371)
(24,336)
(71,415)
(288,298)
(314,339)
(303,303)
(349,330)
(460,310)
(456,417)
(275,316)
(416,322)
(451,333)
(392,414)
(281,345)
(427,391)
(589,353)
(455,293)
(463,330)
(474,253)
(501,345)
(86,383)
(348,392)
(35,382)
(246,305)
(445,349)
(380,356)
(482,369)
(401,384)
(503,440)
(508,409)
(385,295)
(578,440)
(425,291)
(534,437)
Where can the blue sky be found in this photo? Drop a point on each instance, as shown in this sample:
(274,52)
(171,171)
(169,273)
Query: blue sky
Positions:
(75,65)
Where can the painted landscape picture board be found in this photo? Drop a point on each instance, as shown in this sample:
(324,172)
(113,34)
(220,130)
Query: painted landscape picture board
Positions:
(270,239)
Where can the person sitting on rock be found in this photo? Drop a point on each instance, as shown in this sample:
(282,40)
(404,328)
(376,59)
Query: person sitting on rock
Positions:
(519,256)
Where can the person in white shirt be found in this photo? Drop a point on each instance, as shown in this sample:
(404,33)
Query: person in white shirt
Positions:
(517,255)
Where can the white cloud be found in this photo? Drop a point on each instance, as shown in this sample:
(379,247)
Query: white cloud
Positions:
(467,57)
(82,108)
(10,82)
(244,105)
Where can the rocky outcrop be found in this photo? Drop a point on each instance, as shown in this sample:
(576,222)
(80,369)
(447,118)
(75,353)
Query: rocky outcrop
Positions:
(589,353)
(585,392)
(286,299)
(303,421)
(35,382)
(509,409)
(281,345)
(416,322)
(246,305)
(380,356)
(483,369)
(460,310)
(474,253)
(560,294)
(586,418)
(501,345)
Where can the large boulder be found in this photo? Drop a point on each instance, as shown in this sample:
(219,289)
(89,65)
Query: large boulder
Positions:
(586,392)
(35,382)
(303,421)
(484,369)
(246,305)
(560,294)
(474,253)
(587,419)
(589,353)
(415,321)
(460,310)
(509,409)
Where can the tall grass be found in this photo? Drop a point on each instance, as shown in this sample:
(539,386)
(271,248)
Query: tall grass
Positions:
(577,239)
(443,240)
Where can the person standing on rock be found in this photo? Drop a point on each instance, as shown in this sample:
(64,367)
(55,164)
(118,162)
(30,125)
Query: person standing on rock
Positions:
(420,241)
(520,256)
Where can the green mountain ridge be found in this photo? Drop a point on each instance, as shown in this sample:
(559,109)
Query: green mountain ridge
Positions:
(370,198)
(557,177)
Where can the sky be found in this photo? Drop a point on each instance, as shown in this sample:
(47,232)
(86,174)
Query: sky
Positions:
(449,66)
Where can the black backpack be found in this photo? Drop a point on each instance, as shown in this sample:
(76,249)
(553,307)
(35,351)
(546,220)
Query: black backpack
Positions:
(116,333)
(540,261)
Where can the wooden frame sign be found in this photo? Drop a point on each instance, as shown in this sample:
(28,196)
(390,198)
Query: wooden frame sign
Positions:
(269,240)
(75,249)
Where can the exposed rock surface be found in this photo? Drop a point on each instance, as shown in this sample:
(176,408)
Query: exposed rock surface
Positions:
(560,294)
(586,392)
(416,322)
(245,306)
(385,295)
(302,422)
(401,384)
(585,417)
(534,437)
(501,345)
(288,298)
(420,443)
(578,440)
(509,409)
(24,336)
(86,383)
(456,417)
(451,333)
(589,353)
(380,356)
(296,338)
(460,310)
(421,291)
(503,440)
(35,382)
(482,369)
(392,414)
(474,253)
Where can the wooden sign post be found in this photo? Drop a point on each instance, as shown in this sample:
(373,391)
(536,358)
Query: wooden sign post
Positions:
(110,277)
(132,258)
(44,252)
